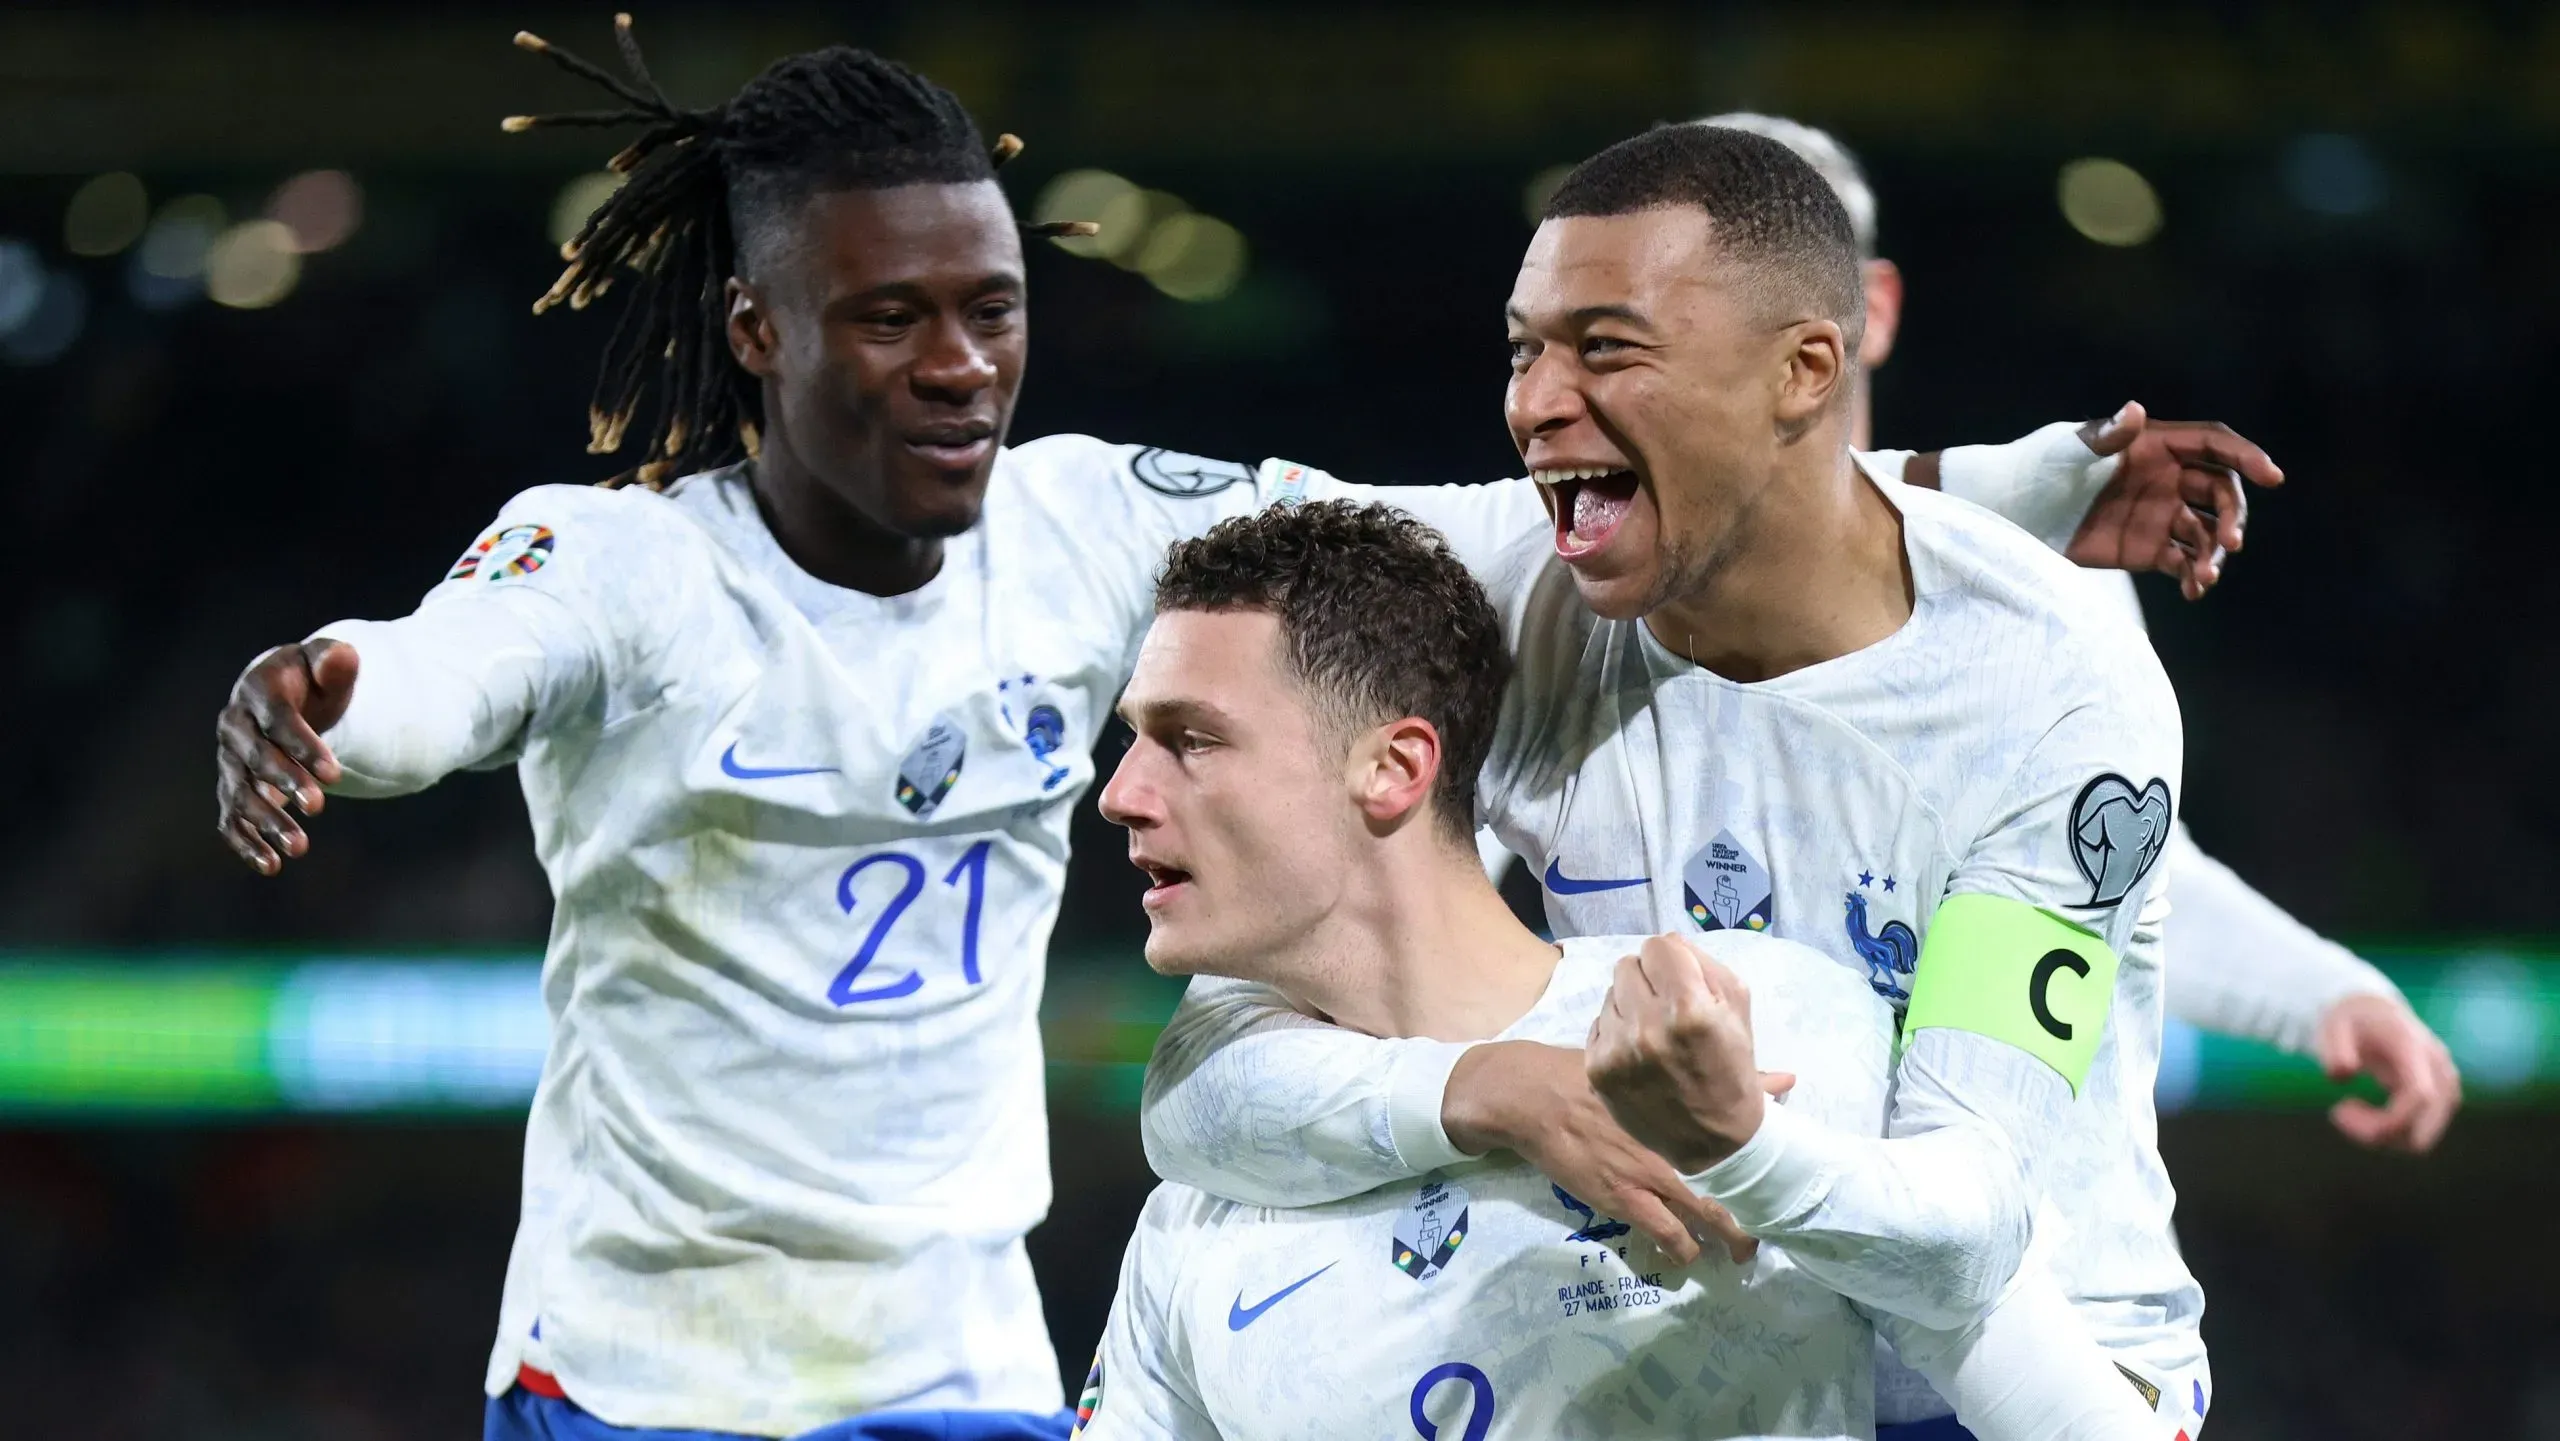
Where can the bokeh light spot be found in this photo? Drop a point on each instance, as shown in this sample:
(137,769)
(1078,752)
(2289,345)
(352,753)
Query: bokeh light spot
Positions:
(321,208)
(1193,257)
(254,265)
(1085,195)
(106,215)
(577,200)
(180,237)
(2109,202)
(2333,175)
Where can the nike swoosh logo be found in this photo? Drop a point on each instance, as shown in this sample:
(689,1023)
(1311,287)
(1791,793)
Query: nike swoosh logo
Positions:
(729,767)
(1564,885)
(1240,1315)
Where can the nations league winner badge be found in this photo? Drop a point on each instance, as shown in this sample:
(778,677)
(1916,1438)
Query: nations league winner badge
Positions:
(932,767)
(1429,1231)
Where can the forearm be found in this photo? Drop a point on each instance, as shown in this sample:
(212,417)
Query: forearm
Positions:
(1249,1100)
(2043,482)
(2027,1370)
(1929,1222)
(2238,965)
(435,693)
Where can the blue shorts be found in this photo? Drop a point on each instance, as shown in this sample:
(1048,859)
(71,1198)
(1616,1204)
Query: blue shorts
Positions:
(520,1415)
(1943,1428)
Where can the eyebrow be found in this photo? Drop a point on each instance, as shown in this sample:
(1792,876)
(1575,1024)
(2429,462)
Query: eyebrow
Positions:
(1581,317)
(920,297)
(1174,709)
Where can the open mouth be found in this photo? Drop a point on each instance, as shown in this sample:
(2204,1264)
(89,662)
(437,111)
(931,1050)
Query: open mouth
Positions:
(1162,881)
(1591,502)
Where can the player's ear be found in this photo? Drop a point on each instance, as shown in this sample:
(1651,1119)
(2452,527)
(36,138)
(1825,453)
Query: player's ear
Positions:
(1392,771)
(1817,361)
(751,337)
(1883,282)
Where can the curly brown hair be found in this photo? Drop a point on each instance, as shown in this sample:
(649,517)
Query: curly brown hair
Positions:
(1379,618)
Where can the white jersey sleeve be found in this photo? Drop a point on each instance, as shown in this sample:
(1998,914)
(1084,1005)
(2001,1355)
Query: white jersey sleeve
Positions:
(1143,1387)
(2027,1370)
(1248,1099)
(2240,966)
(2043,482)
(520,633)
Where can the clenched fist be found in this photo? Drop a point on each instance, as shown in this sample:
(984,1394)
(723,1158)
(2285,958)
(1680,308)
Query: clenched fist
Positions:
(1671,1054)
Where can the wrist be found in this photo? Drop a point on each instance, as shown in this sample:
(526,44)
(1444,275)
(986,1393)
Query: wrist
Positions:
(1479,1108)
(1729,1134)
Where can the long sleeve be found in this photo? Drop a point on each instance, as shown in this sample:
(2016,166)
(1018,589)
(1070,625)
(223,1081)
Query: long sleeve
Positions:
(1142,1386)
(1249,1100)
(2240,966)
(503,644)
(2043,482)
(451,688)
(2027,1370)
(1928,1223)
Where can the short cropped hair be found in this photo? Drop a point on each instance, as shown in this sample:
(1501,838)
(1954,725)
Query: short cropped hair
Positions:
(1378,620)
(1775,216)
(1822,150)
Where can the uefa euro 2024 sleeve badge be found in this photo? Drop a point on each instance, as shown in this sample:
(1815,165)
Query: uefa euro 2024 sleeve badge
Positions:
(1429,1231)
(2117,833)
(506,553)
(932,766)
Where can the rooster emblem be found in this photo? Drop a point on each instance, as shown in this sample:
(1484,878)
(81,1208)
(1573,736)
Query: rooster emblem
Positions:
(1890,956)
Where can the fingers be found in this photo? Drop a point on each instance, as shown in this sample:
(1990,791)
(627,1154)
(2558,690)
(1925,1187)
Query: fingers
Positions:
(2218,493)
(2211,442)
(240,740)
(1739,1245)
(251,818)
(1669,1233)
(1777,1083)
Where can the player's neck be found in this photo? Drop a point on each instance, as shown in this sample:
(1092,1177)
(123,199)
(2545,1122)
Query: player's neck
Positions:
(1425,946)
(1813,571)
(826,537)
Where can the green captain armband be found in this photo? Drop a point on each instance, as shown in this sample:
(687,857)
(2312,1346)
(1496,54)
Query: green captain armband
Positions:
(2003,969)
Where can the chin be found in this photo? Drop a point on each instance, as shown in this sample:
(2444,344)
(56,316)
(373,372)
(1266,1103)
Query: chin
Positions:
(1615,596)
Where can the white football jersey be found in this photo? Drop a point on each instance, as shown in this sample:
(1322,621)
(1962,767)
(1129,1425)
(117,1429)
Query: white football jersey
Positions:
(2003,741)
(807,846)
(1483,1300)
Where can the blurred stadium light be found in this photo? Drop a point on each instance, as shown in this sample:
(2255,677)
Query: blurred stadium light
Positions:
(91,1036)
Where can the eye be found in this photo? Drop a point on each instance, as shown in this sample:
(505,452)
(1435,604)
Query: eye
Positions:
(1192,743)
(1602,347)
(896,317)
(995,314)
(1522,353)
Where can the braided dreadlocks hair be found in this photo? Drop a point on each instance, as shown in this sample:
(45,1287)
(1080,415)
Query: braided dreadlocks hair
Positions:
(699,180)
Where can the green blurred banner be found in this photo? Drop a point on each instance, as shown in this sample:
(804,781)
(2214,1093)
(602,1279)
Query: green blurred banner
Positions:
(104,1037)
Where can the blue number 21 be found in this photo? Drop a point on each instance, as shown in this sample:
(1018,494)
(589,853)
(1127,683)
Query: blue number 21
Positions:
(1479,1415)
(973,865)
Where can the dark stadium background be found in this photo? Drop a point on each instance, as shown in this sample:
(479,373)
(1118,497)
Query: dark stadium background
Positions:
(2369,697)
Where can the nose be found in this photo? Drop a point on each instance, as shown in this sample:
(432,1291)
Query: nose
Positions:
(956,363)
(1544,398)
(1128,800)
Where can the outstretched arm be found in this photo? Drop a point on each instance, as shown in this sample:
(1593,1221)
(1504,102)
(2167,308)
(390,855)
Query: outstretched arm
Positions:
(453,686)
(2240,966)
(2124,493)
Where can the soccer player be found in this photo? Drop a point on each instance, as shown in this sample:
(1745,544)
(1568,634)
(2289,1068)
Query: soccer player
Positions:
(1310,708)
(800,709)
(1761,690)
(2241,965)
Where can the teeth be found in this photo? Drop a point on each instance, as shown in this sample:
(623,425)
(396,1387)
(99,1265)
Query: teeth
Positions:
(1562,474)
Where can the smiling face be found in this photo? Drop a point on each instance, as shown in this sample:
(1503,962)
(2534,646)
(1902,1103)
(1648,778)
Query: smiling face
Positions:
(1645,397)
(1234,795)
(887,326)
